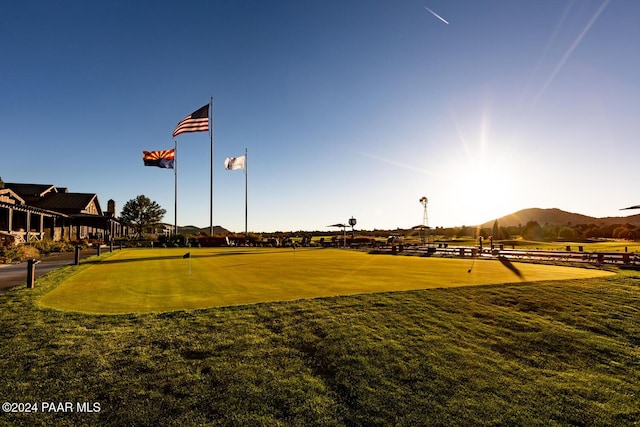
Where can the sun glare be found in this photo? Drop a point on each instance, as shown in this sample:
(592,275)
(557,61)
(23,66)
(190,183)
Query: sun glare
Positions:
(484,186)
(483,194)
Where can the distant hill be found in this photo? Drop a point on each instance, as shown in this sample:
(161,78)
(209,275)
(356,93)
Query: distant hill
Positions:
(558,217)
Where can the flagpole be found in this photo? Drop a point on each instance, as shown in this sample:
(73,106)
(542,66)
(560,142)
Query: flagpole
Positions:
(246,173)
(211,227)
(175,183)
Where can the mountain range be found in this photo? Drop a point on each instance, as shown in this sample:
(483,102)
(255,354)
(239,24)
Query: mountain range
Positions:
(522,217)
(558,217)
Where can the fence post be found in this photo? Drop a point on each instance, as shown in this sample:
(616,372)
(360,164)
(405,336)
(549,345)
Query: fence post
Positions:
(31,273)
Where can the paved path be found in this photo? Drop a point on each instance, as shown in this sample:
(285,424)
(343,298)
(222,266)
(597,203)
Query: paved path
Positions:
(16,274)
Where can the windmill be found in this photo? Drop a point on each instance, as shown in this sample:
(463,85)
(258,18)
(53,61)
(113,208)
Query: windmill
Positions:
(425,219)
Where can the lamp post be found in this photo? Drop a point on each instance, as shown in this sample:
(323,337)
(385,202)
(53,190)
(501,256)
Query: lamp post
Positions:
(352,223)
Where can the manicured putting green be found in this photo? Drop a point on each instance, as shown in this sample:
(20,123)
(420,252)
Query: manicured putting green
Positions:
(154,280)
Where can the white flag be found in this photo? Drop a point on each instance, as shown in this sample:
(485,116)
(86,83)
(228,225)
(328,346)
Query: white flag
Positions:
(233,163)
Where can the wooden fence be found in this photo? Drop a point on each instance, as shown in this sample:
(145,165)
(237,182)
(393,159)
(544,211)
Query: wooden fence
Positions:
(599,258)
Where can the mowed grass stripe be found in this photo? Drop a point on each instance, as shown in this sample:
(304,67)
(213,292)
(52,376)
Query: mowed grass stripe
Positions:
(155,280)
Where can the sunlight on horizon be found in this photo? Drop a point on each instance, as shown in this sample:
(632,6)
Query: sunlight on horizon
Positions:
(486,176)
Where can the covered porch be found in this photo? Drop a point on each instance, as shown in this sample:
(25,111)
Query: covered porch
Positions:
(97,228)
(24,224)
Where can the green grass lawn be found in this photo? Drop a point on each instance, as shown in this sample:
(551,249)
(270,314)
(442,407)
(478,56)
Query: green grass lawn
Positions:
(549,353)
(147,280)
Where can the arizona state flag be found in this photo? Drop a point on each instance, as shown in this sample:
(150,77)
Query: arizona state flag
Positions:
(161,159)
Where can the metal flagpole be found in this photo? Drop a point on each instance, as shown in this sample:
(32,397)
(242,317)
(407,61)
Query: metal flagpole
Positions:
(211,228)
(175,183)
(246,168)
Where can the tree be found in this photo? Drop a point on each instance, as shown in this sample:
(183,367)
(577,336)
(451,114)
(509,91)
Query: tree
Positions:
(532,231)
(625,232)
(1,183)
(141,213)
(567,233)
(504,233)
(550,232)
(497,232)
(594,232)
(464,231)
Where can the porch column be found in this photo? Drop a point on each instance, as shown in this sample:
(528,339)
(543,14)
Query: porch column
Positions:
(41,226)
(10,220)
(28,227)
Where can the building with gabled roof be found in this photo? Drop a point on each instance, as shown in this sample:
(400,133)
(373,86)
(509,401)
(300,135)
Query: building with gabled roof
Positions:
(36,211)
(71,203)
(31,192)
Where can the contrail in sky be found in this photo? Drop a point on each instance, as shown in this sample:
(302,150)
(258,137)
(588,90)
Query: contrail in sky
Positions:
(546,51)
(570,51)
(437,16)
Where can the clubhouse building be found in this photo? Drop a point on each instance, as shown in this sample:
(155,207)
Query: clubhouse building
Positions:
(31,212)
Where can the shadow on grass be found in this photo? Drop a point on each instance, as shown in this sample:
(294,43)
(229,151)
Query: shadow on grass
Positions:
(504,261)
(183,256)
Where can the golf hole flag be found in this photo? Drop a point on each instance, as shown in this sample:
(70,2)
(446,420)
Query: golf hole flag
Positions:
(198,121)
(233,163)
(161,159)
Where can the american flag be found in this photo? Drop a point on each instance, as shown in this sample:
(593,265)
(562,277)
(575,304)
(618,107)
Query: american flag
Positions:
(161,159)
(198,121)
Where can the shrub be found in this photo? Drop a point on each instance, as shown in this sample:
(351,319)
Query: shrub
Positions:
(44,246)
(28,252)
(9,254)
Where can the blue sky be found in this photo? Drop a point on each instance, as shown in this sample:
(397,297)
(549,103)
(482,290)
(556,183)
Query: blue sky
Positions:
(348,108)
